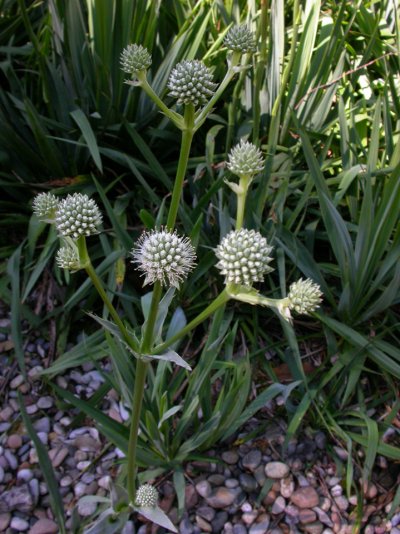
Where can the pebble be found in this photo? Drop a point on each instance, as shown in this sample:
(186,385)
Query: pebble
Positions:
(42,425)
(44,403)
(276,470)
(5,519)
(222,497)
(86,509)
(57,456)
(342,503)
(252,459)
(239,529)
(14,441)
(25,475)
(203,488)
(11,459)
(307,516)
(230,457)
(336,490)
(19,524)
(305,497)
(16,382)
(231,483)
(44,526)
(286,487)
(248,483)
(279,506)
(206,512)
(203,524)
(261,527)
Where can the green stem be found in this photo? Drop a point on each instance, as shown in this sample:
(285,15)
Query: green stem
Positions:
(151,319)
(87,265)
(187,136)
(234,107)
(219,301)
(260,69)
(241,200)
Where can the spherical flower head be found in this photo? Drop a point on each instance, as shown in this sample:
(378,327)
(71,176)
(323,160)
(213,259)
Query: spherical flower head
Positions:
(165,257)
(78,215)
(304,296)
(244,256)
(135,58)
(146,496)
(68,258)
(240,39)
(245,159)
(191,82)
(45,206)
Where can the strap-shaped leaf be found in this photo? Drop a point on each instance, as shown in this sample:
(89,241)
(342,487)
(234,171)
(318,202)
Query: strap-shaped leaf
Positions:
(170,356)
(157,516)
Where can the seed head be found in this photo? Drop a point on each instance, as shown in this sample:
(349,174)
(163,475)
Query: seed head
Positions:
(191,83)
(135,58)
(245,158)
(146,496)
(304,296)
(45,206)
(240,39)
(164,256)
(78,215)
(68,258)
(244,256)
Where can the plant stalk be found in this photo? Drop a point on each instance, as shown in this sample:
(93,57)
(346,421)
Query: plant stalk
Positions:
(241,200)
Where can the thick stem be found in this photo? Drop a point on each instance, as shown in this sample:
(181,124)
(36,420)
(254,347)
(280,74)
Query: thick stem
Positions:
(187,136)
(241,200)
(219,301)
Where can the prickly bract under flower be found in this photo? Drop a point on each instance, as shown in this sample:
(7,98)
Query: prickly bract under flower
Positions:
(135,58)
(304,296)
(244,256)
(78,215)
(68,258)
(45,206)
(245,159)
(240,39)
(191,82)
(165,257)
(146,496)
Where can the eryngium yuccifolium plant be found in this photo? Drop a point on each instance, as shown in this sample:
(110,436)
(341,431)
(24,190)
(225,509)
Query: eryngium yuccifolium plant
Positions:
(245,159)
(135,58)
(146,496)
(304,296)
(45,206)
(240,39)
(244,256)
(68,258)
(165,257)
(191,82)
(78,215)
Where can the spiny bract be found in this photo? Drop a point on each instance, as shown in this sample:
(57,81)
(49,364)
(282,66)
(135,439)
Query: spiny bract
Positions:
(245,159)
(45,206)
(164,256)
(146,496)
(240,39)
(78,215)
(191,82)
(135,58)
(304,296)
(244,256)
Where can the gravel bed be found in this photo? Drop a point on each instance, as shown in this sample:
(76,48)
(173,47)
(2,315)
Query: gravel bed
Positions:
(250,488)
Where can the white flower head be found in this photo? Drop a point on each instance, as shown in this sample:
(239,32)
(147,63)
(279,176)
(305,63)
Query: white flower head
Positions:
(240,39)
(304,296)
(191,82)
(68,258)
(164,256)
(245,159)
(45,206)
(146,496)
(244,256)
(78,215)
(135,58)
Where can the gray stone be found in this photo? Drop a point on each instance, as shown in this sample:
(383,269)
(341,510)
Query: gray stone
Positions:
(206,512)
(86,509)
(203,488)
(185,526)
(222,497)
(307,516)
(42,425)
(252,459)
(231,483)
(323,517)
(286,487)
(276,470)
(239,529)
(11,459)
(57,456)
(17,498)
(34,488)
(279,506)
(342,503)
(248,483)
(261,527)
(230,457)
(19,524)
(203,524)
(219,521)
(5,519)
(216,479)
(44,526)
(44,403)
(16,382)
(25,475)
(305,497)
(320,440)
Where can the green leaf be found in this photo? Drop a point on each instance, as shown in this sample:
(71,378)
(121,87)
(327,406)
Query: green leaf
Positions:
(157,516)
(170,356)
(88,135)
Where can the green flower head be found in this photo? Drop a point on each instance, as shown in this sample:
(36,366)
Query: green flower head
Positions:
(135,58)
(304,296)
(240,39)
(78,215)
(191,82)
(45,206)
(245,159)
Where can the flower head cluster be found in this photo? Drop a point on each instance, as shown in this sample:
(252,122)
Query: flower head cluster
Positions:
(45,206)
(240,39)
(304,296)
(135,58)
(164,256)
(244,256)
(78,215)
(68,258)
(245,159)
(146,496)
(191,82)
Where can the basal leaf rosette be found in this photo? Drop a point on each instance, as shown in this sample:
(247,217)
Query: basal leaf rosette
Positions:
(245,159)
(165,257)
(191,82)
(304,296)
(240,39)
(135,58)
(45,206)
(78,215)
(244,257)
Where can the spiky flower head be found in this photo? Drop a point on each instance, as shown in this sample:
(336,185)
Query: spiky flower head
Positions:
(135,58)
(245,159)
(146,496)
(244,256)
(78,215)
(164,256)
(45,206)
(191,82)
(304,296)
(240,39)
(68,258)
